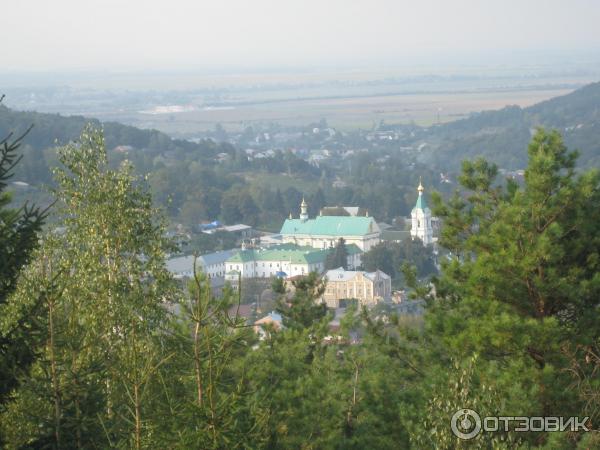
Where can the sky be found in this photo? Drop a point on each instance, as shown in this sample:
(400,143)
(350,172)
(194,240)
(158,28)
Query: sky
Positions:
(40,35)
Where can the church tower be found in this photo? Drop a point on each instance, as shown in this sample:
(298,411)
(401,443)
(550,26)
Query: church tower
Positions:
(421,219)
(303,210)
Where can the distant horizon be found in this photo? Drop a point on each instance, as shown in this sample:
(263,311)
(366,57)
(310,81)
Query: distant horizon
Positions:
(426,61)
(70,35)
(554,64)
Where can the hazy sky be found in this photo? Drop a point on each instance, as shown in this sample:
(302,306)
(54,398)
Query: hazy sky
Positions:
(160,34)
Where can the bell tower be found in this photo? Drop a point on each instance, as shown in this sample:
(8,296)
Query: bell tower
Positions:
(421,219)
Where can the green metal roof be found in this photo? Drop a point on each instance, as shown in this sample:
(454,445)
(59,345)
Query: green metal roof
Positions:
(299,255)
(421,203)
(288,252)
(331,226)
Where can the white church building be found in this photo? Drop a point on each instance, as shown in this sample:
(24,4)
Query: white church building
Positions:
(325,231)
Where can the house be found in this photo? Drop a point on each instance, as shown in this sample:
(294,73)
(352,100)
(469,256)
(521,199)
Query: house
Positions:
(354,211)
(273,319)
(268,240)
(368,288)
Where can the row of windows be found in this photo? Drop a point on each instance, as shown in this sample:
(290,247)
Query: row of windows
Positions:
(295,269)
(350,291)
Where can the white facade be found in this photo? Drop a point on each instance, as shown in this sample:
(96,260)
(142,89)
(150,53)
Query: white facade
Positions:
(266,263)
(211,264)
(365,242)
(270,268)
(421,226)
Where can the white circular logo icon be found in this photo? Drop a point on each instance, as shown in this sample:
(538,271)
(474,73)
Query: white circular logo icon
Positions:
(465,424)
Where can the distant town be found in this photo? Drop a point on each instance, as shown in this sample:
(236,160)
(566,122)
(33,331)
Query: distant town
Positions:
(306,245)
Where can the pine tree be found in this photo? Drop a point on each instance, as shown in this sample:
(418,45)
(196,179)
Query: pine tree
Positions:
(522,288)
(205,401)
(305,308)
(338,256)
(19,230)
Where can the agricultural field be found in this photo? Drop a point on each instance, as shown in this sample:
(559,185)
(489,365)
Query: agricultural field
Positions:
(188,105)
(342,112)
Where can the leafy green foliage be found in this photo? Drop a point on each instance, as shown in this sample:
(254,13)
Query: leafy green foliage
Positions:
(104,285)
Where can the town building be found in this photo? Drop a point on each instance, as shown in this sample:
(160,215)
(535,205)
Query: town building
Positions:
(211,264)
(286,260)
(240,230)
(325,231)
(421,226)
(273,319)
(368,288)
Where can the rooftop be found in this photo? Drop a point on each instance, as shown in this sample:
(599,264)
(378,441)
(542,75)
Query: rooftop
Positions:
(340,274)
(216,258)
(421,203)
(337,226)
(288,252)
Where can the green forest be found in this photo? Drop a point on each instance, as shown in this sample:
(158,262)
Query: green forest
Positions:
(191,186)
(100,348)
(500,136)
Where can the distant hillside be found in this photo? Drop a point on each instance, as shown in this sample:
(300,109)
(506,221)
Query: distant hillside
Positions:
(502,136)
(52,129)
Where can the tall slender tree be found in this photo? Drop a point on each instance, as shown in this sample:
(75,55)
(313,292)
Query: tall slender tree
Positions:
(338,256)
(105,287)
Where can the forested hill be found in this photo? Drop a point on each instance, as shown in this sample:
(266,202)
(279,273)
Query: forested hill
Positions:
(502,136)
(193,182)
(50,130)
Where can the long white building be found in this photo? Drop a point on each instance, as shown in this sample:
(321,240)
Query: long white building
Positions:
(285,261)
